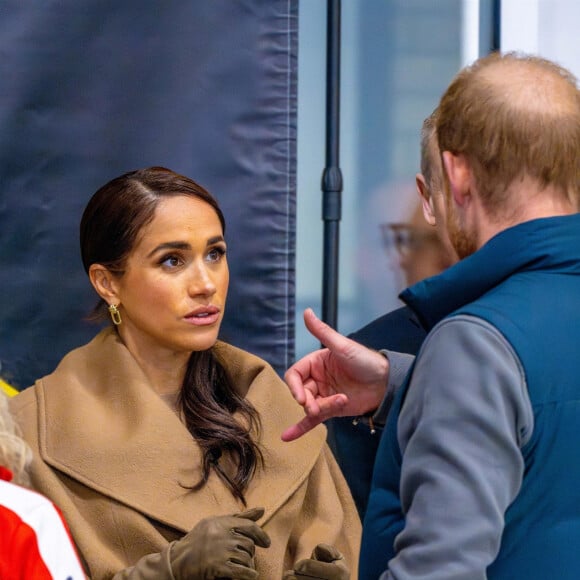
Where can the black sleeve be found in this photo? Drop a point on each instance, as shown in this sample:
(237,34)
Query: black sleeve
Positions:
(399,330)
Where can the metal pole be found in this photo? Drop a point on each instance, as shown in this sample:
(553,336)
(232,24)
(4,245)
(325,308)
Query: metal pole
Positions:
(489,26)
(496,26)
(332,176)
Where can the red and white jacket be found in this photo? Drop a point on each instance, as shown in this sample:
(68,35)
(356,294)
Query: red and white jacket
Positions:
(34,539)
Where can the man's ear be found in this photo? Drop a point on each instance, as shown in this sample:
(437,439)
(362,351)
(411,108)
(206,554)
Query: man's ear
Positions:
(104,283)
(426,199)
(458,173)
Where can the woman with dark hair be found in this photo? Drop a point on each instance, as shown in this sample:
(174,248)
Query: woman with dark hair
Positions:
(154,437)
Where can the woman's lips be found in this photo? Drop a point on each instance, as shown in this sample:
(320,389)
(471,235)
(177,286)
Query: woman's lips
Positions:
(203,316)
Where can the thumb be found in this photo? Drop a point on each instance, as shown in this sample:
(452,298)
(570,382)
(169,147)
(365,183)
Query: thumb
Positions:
(252,530)
(253,514)
(326,553)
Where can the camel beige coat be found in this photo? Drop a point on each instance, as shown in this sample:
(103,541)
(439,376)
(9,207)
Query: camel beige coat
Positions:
(115,458)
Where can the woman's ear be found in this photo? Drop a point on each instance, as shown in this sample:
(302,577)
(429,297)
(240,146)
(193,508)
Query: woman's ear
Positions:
(104,283)
(426,199)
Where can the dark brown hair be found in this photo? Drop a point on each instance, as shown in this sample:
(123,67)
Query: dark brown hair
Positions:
(514,116)
(109,230)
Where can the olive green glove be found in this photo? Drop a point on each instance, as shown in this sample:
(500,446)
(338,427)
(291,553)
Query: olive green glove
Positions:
(217,547)
(326,563)
(220,547)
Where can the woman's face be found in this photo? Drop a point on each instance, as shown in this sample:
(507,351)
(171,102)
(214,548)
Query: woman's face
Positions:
(173,292)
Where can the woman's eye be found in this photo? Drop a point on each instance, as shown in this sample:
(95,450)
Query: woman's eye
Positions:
(171,261)
(215,254)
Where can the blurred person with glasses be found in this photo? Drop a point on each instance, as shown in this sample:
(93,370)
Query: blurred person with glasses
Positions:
(420,247)
(413,248)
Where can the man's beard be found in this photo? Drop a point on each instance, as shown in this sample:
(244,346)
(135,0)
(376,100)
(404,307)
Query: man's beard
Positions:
(463,242)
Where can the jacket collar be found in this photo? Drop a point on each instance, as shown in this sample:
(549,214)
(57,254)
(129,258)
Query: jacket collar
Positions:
(102,423)
(541,244)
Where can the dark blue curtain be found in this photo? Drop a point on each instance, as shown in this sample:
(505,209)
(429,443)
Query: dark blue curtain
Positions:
(90,89)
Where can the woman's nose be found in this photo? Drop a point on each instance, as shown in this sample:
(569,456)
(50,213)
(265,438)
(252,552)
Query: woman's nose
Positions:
(201,281)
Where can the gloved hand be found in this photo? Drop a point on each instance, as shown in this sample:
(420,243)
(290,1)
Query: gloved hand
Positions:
(220,547)
(326,563)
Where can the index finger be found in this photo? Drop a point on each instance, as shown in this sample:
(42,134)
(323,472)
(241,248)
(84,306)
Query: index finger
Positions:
(328,407)
(253,531)
(303,426)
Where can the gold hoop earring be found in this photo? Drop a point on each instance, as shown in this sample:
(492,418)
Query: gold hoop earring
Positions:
(115,314)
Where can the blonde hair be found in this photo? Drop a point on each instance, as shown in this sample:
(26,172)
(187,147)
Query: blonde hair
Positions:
(514,116)
(15,454)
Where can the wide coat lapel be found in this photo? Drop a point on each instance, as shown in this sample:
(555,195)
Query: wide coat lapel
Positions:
(101,423)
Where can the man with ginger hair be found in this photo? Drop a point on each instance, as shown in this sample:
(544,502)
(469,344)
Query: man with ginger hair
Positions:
(477,473)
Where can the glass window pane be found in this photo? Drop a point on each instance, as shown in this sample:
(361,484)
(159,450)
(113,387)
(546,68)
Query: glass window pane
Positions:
(397,58)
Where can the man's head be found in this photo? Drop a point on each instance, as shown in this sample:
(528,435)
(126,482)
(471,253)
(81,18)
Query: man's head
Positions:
(508,128)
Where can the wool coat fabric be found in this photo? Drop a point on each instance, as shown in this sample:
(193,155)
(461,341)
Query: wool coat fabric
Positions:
(118,462)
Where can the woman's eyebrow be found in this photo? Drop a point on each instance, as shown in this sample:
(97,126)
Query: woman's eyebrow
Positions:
(169,246)
(182,245)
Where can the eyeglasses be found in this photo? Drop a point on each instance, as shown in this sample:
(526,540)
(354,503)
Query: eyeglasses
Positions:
(404,238)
